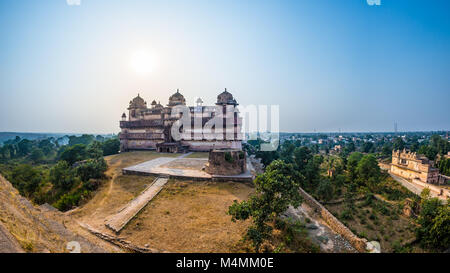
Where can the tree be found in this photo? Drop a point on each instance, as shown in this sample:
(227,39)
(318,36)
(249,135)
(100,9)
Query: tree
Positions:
(62,176)
(92,168)
(95,150)
(386,150)
(368,167)
(26,179)
(276,189)
(352,163)
(24,147)
(301,157)
(429,151)
(286,152)
(325,190)
(37,155)
(84,139)
(399,144)
(368,172)
(367,147)
(111,146)
(444,166)
(434,221)
(75,153)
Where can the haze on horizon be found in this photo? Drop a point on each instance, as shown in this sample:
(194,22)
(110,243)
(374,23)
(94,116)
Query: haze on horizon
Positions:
(328,64)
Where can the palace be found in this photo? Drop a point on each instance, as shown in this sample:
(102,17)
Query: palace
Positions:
(411,166)
(149,128)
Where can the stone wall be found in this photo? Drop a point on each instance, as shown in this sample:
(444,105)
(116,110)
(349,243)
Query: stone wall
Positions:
(358,243)
(226,162)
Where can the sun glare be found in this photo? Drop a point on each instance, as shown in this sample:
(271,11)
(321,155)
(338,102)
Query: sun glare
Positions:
(143,62)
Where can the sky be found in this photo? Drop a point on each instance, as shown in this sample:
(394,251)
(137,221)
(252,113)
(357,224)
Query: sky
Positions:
(330,65)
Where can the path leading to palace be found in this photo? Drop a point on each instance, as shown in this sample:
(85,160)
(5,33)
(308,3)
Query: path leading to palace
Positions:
(118,221)
(415,188)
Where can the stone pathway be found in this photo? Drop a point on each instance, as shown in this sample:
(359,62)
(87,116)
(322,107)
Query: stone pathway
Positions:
(118,221)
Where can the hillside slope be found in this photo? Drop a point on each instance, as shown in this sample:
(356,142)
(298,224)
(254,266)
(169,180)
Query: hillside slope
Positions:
(26,228)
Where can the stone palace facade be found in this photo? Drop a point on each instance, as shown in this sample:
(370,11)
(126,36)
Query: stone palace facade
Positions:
(411,166)
(149,128)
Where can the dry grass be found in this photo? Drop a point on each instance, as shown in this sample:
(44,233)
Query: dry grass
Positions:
(369,223)
(198,155)
(186,216)
(191,217)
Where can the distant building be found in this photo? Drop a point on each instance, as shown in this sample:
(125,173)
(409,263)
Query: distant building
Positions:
(149,128)
(411,166)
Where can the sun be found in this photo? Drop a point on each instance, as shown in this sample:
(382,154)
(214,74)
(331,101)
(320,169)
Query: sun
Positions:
(143,62)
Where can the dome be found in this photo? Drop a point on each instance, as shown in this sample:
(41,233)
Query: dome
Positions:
(138,102)
(177,99)
(153,102)
(225,98)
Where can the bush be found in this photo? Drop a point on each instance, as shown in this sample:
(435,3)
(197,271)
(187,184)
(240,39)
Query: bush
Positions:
(62,176)
(228,157)
(68,201)
(92,168)
(26,179)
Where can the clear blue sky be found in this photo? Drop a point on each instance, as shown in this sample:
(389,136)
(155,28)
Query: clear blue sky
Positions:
(329,64)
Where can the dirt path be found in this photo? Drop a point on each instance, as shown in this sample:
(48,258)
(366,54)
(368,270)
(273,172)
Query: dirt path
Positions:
(113,172)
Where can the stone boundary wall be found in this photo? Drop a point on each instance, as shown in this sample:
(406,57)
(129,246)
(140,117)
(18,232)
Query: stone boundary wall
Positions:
(438,190)
(358,243)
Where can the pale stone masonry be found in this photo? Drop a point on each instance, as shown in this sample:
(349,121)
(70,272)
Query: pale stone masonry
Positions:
(411,166)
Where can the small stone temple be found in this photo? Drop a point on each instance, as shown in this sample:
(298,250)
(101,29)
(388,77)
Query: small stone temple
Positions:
(149,127)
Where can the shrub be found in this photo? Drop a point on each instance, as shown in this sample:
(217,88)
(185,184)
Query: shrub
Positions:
(228,157)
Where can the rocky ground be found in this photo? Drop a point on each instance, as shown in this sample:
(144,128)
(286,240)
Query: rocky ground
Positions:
(319,232)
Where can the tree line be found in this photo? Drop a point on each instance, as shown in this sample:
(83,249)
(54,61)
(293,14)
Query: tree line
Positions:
(64,175)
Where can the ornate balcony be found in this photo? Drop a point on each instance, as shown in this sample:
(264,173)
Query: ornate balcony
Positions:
(141,123)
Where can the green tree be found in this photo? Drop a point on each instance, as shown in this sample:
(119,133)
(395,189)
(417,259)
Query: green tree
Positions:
(302,155)
(325,190)
(429,151)
(367,147)
(74,154)
(26,179)
(276,189)
(62,176)
(84,139)
(368,167)
(434,221)
(352,163)
(92,168)
(37,155)
(386,150)
(399,144)
(111,146)
(444,166)
(95,150)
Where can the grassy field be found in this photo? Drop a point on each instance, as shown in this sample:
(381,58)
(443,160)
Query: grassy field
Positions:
(376,221)
(186,216)
(190,216)
(198,155)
